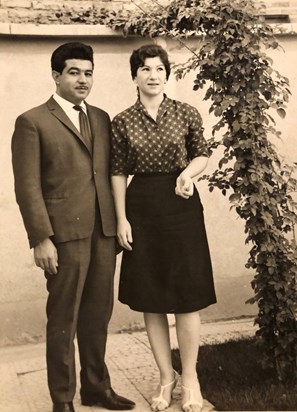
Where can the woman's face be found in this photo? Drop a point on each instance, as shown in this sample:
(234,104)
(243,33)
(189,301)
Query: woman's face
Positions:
(151,77)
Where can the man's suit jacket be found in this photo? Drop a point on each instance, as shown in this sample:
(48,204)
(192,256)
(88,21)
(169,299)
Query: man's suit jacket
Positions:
(57,179)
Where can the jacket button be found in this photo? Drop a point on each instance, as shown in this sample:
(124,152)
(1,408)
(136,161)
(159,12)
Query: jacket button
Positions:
(77,218)
(95,172)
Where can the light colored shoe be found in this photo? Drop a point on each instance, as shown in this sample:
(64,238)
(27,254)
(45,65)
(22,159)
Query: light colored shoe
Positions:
(193,400)
(160,400)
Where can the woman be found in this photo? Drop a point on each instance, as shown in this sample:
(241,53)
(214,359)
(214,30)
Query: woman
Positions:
(166,266)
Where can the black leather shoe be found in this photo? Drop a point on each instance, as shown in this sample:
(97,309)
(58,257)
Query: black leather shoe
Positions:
(63,407)
(109,400)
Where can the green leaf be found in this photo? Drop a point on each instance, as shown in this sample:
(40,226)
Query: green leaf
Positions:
(234,197)
(236,126)
(281,113)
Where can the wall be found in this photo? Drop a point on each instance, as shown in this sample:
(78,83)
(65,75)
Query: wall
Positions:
(26,82)
(26,11)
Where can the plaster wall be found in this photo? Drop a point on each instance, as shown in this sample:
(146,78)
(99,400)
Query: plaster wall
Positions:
(28,11)
(26,82)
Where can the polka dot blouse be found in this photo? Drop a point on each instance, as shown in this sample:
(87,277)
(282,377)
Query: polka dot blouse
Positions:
(142,145)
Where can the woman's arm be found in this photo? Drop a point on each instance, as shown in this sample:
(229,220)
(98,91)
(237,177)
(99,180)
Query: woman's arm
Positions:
(124,231)
(184,182)
(195,167)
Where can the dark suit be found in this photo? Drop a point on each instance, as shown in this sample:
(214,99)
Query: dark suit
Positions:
(63,190)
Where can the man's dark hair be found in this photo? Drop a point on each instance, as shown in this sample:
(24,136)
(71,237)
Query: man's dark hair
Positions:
(73,50)
(138,57)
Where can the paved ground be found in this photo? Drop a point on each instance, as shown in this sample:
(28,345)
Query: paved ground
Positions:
(23,385)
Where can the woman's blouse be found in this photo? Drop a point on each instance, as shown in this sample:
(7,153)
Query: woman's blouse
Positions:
(142,145)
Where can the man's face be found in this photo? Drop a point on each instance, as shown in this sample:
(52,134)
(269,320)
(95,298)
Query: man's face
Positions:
(75,82)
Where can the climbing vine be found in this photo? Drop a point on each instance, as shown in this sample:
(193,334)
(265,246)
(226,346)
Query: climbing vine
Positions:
(237,75)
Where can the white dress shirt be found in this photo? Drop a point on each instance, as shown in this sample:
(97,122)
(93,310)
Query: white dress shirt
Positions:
(68,109)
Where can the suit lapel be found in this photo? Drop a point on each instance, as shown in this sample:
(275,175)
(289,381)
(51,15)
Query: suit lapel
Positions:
(94,121)
(98,129)
(59,113)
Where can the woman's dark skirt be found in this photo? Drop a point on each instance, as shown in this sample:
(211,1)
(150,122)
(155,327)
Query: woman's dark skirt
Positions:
(169,269)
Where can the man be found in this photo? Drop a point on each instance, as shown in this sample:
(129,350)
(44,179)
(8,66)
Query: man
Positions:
(60,155)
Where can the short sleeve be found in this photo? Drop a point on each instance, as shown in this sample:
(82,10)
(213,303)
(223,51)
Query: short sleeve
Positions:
(195,142)
(119,148)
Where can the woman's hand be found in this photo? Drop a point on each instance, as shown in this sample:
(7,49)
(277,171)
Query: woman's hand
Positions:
(184,186)
(124,234)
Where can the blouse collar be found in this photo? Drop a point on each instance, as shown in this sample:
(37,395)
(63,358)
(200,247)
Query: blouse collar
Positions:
(162,109)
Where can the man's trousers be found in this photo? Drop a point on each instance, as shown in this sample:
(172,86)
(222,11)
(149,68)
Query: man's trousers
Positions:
(80,302)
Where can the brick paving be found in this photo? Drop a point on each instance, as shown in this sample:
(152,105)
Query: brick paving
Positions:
(133,372)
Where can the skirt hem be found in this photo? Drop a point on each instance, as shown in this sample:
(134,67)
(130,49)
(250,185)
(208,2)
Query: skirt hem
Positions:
(193,308)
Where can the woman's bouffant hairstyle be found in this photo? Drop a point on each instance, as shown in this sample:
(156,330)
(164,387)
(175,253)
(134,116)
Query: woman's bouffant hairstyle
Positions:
(66,51)
(138,57)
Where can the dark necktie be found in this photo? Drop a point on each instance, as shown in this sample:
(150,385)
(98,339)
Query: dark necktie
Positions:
(84,126)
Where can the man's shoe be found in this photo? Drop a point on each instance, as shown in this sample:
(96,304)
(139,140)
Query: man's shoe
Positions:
(109,400)
(63,407)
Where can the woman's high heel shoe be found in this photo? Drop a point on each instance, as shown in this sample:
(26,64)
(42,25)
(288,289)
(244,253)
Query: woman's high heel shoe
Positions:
(160,400)
(192,399)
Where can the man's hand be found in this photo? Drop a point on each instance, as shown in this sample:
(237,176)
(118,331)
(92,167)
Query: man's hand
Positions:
(46,256)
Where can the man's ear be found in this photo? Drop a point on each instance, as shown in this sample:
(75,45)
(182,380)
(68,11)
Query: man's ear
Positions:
(56,76)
